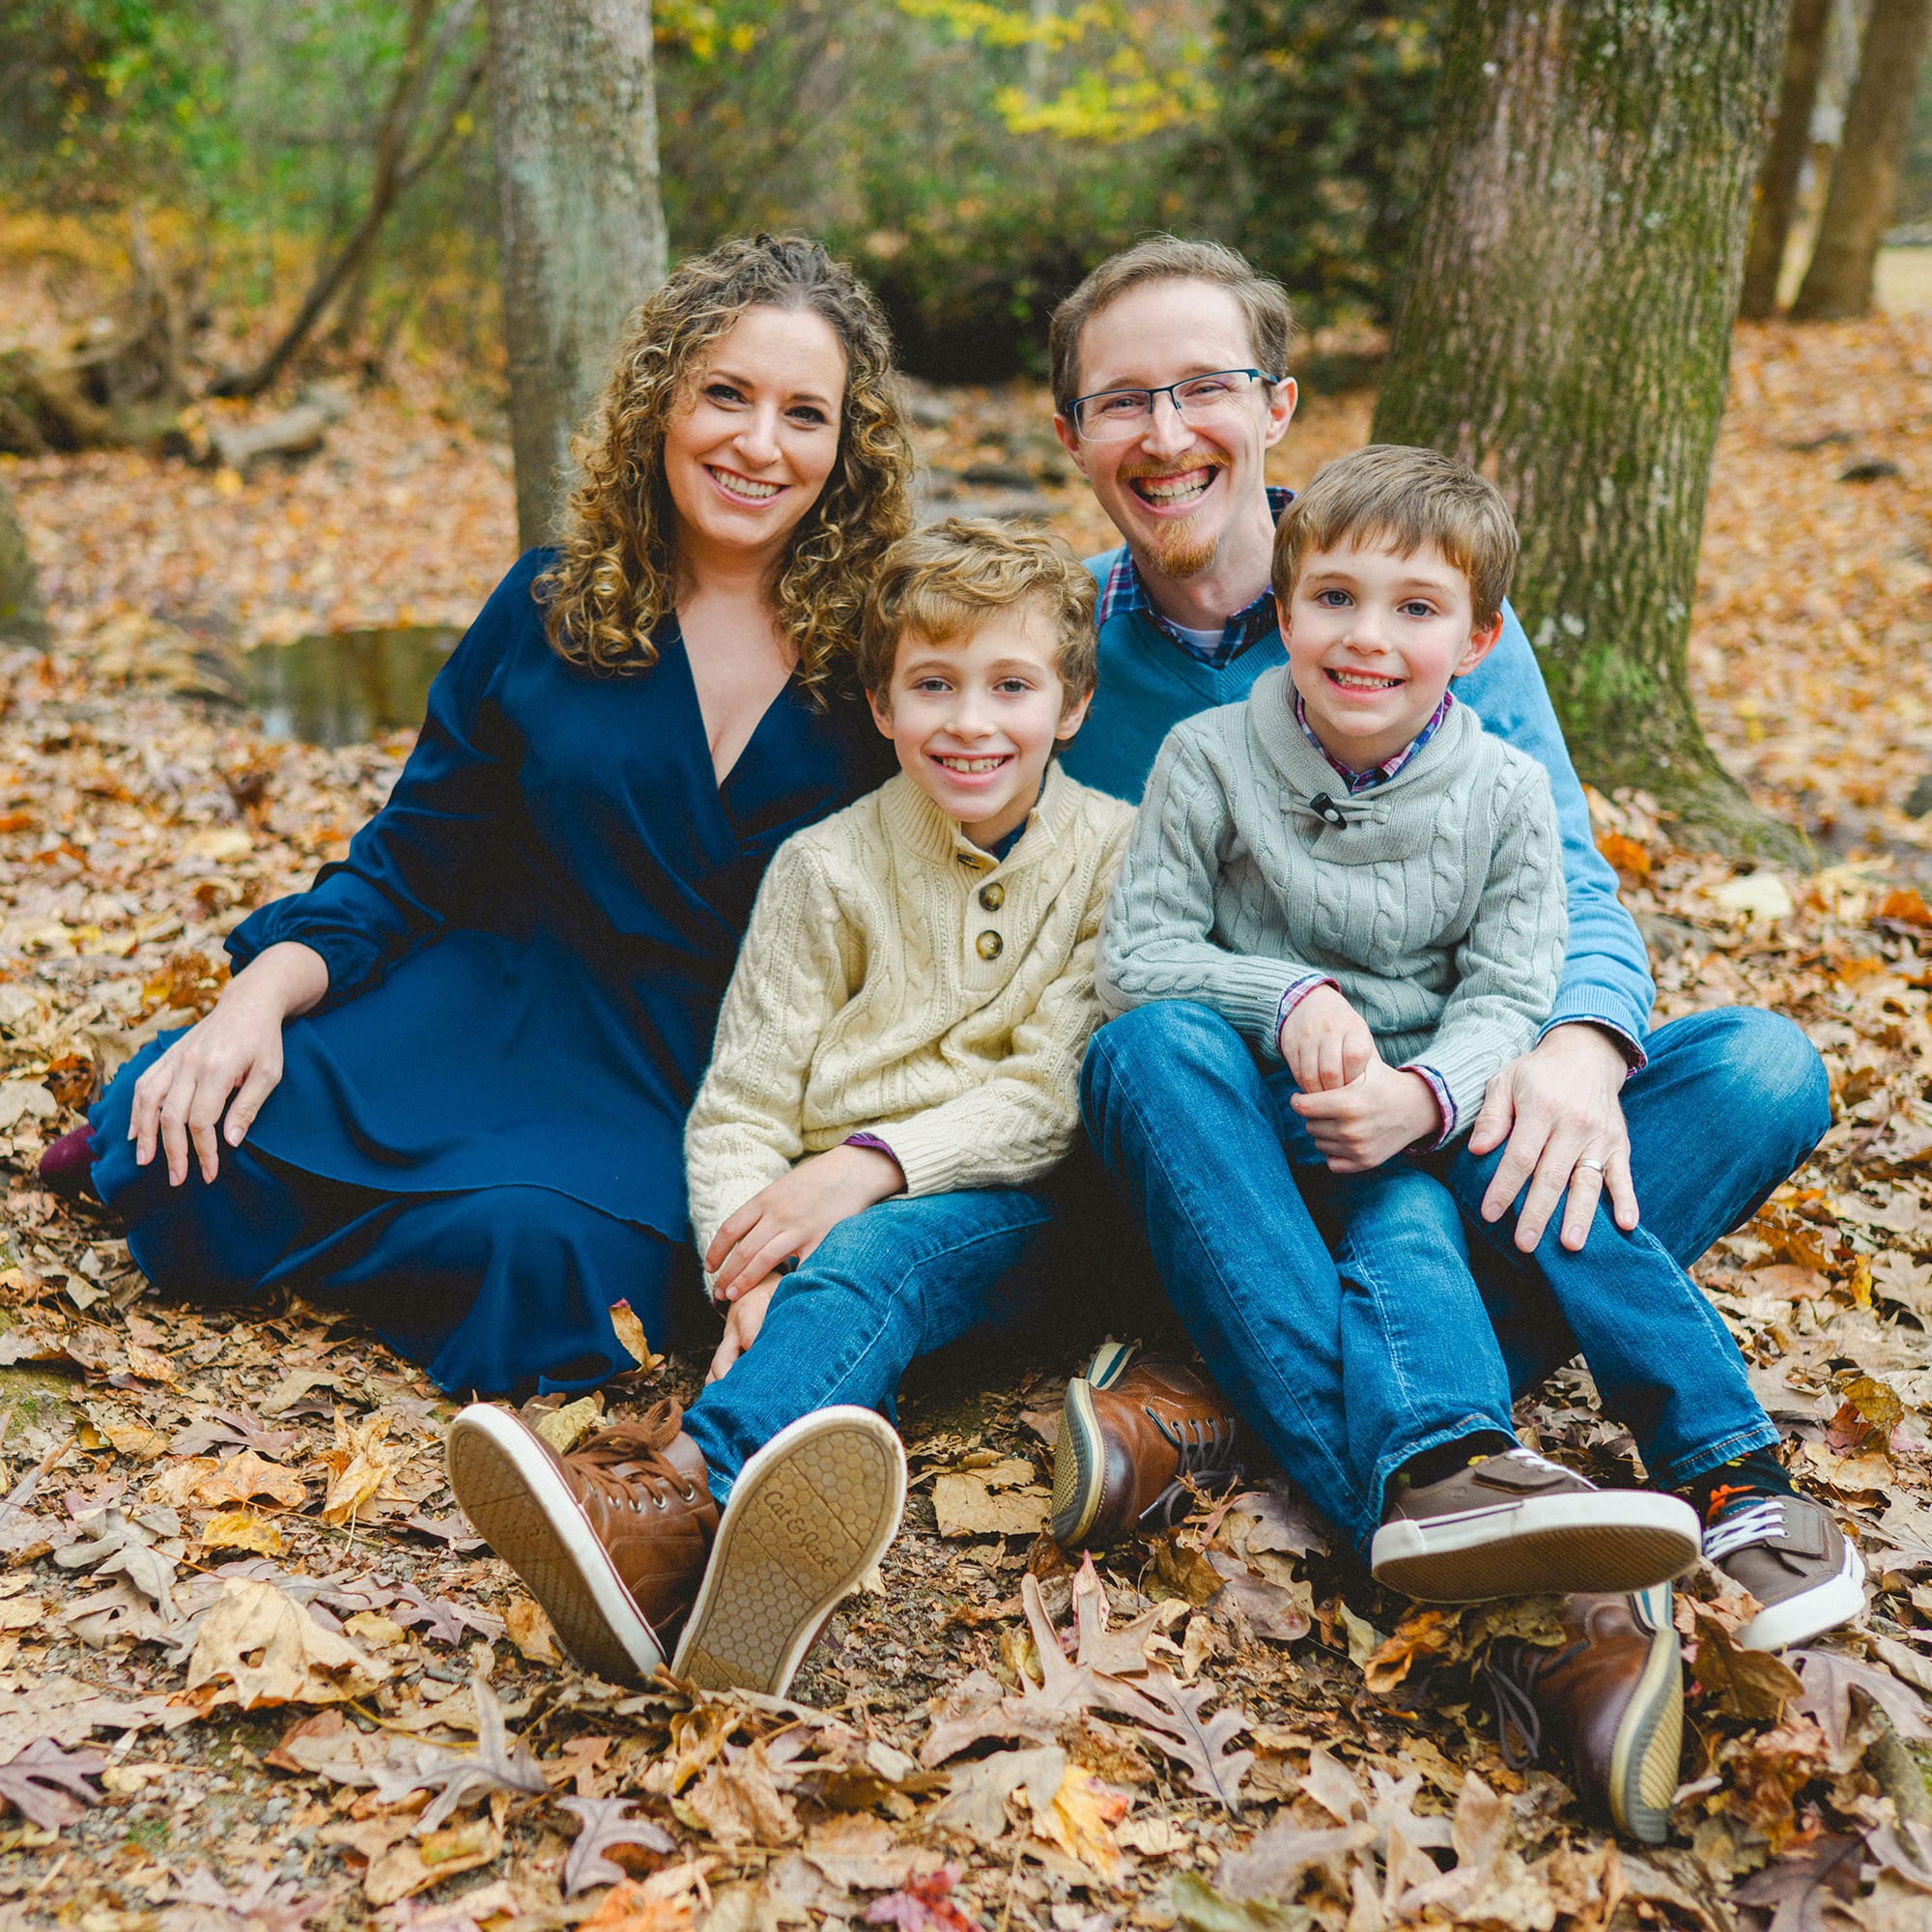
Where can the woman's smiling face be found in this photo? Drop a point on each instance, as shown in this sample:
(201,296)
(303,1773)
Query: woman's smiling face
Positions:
(748,454)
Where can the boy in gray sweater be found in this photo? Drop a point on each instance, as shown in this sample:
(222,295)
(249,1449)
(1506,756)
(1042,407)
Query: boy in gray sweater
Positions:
(1349,870)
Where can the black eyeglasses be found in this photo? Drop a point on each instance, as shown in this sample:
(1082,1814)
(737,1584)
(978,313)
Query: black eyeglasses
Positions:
(1109,415)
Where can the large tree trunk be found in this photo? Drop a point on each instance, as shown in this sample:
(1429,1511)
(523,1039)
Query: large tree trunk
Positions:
(1785,162)
(1864,183)
(575,125)
(1565,326)
(20,616)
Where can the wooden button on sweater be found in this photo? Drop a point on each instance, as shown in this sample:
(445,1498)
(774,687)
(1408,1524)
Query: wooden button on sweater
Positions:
(988,944)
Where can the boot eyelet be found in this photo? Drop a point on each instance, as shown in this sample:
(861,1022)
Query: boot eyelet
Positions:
(662,1502)
(690,1494)
(637,1503)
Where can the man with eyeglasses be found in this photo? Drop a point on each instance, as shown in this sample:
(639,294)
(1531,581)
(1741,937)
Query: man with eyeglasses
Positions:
(1168,369)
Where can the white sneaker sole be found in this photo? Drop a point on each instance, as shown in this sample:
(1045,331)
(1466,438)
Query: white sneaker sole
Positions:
(1602,1541)
(810,1514)
(1650,1739)
(520,1505)
(1811,1612)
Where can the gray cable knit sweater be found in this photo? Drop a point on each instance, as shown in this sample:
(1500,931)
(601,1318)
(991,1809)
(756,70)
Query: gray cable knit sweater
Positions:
(1435,905)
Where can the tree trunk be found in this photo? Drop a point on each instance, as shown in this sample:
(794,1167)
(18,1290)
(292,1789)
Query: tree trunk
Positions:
(575,125)
(1785,162)
(1865,185)
(21,619)
(1565,326)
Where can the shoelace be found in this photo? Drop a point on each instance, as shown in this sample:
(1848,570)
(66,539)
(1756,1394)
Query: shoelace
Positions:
(638,1447)
(1761,1521)
(1532,1459)
(1513,1676)
(1206,1449)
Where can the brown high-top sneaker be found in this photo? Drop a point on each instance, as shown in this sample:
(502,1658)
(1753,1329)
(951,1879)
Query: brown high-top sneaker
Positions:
(611,1539)
(1132,1442)
(1611,1697)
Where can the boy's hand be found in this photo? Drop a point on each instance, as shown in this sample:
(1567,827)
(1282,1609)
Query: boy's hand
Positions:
(1326,1042)
(741,1327)
(1359,1126)
(795,1214)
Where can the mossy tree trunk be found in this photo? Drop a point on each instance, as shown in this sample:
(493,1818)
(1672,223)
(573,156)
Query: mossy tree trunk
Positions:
(20,615)
(1864,183)
(1784,160)
(574,119)
(1565,326)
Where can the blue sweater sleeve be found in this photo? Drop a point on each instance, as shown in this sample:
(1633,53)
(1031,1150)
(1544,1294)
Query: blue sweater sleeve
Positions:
(439,846)
(1605,970)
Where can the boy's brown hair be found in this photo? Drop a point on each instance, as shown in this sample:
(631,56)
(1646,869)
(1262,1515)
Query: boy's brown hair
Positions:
(1167,258)
(1404,497)
(945,579)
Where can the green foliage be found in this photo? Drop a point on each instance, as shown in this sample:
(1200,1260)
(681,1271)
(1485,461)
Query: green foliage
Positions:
(957,151)
(1326,109)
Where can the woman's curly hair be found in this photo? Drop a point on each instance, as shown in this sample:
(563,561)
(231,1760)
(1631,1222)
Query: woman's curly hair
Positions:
(615,576)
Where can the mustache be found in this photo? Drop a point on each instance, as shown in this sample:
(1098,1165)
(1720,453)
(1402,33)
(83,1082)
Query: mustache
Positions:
(1205,458)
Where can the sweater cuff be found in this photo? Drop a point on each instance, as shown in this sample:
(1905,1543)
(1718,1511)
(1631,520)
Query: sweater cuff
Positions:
(930,1162)
(1580,1010)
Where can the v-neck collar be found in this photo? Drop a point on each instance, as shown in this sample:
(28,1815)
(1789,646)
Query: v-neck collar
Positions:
(721,787)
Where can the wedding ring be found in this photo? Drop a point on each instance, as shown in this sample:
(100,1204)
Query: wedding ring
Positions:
(1595,1166)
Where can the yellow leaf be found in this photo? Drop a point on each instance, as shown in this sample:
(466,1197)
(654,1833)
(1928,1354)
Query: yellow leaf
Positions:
(258,1646)
(242,1529)
(134,1440)
(1080,1820)
(248,1475)
(630,1333)
(360,1468)
(530,1630)
(563,1429)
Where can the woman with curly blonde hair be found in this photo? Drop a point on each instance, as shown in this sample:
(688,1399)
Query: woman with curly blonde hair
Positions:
(446,1085)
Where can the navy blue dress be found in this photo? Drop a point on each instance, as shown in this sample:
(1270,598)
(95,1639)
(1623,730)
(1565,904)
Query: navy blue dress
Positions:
(477,1140)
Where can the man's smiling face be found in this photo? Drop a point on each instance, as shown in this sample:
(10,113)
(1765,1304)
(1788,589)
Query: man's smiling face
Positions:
(1174,487)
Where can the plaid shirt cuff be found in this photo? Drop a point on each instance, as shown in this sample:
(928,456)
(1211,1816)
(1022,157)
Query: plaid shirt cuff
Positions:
(1440,1088)
(1636,1059)
(1296,992)
(877,1146)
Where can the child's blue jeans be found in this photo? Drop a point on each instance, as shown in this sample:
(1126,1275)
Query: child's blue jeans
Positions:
(883,1288)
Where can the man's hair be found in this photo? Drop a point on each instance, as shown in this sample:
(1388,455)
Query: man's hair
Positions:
(944,582)
(1167,258)
(1403,498)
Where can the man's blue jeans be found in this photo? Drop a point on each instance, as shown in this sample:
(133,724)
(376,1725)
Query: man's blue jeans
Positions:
(883,1288)
(1197,1136)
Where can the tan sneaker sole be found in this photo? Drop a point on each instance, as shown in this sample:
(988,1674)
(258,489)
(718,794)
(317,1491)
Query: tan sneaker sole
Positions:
(520,1505)
(810,1514)
(1649,1737)
(1602,1542)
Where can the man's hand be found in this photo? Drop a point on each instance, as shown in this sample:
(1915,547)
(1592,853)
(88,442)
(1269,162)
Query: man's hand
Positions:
(1325,1041)
(1557,1107)
(795,1214)
(1359,1126)
(741,1327)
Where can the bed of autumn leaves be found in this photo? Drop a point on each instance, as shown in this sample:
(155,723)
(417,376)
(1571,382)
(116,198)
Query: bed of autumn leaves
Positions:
(254,1671)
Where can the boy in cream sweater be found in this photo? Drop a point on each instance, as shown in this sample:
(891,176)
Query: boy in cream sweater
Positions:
(896,1071)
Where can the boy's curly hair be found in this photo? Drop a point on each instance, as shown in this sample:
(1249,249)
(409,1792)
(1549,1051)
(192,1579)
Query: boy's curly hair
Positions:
(943,581)
(615,576)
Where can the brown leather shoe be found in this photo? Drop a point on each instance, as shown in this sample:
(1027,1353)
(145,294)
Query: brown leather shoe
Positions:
(1611,1697)
(1131,1441)
(611,1539)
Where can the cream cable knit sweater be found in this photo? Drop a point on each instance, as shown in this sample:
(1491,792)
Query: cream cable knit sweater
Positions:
(895,979)
(1436,905)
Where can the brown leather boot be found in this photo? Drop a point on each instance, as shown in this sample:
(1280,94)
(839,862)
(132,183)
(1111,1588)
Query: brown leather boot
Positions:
(1131,1441)
(1611,1697)
(611,1539)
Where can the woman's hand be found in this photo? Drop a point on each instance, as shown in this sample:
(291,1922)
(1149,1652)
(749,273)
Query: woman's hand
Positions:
(1359,1126)
(1326,1042)
(795,1214)
(741,1327)
(235,1050)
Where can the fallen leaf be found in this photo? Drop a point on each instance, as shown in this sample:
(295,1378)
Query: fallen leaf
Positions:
(243,1477)
(926,1904)
(607,1823)
(529,1630)
(1749,1684)
(1828,1681)
(47,1785)
(1079,1818)
(1000,1499)
(242,1529)
(257,1647)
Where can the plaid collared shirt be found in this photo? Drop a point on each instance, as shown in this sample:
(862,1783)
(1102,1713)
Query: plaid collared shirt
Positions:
(1375,773)
(1126,591)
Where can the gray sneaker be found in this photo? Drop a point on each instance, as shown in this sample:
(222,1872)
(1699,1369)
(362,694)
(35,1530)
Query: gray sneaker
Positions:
(1792,1556)
(1518,1525)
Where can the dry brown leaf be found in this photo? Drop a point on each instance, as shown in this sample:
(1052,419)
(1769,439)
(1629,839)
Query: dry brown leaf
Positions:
(1000,1499)
(530,1630)
(258,1647)
(245,1476)
(242,1529)
(358,1467)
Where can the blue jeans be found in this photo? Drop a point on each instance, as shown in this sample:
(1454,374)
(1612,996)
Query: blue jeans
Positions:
(883,1288)
(1197,1137)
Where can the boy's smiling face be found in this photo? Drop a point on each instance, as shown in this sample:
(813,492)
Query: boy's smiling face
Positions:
(975,718)
(1373,641)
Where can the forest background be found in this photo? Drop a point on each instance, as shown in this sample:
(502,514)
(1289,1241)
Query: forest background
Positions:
(255,410)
